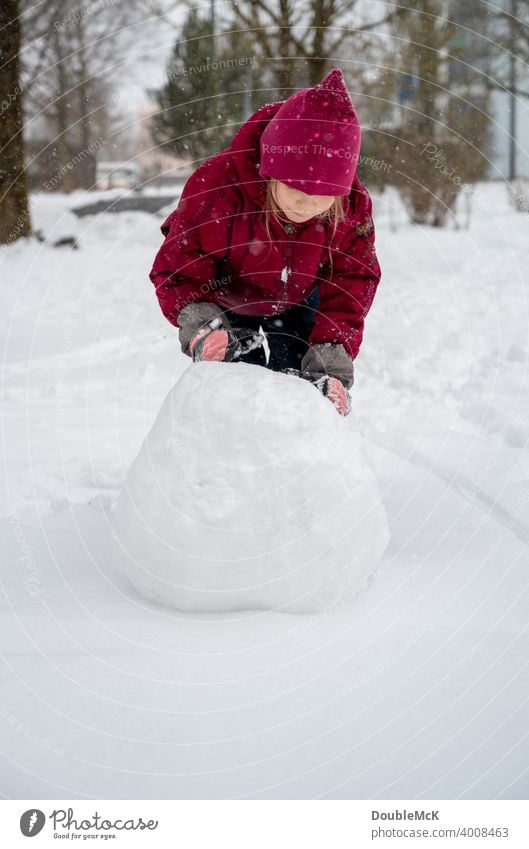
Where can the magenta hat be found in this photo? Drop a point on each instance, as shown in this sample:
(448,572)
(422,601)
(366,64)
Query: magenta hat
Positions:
(313,141)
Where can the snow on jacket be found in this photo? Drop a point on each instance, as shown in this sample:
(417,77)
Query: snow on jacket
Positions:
(217,248)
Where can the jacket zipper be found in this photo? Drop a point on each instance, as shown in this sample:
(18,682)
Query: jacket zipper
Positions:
(289,229)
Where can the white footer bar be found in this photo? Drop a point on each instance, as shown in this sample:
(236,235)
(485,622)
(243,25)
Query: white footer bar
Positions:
(273,824)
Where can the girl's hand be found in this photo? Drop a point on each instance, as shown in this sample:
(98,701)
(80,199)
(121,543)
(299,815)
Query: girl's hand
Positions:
(204,331)
(206,334)
(210,343)
(335,391)
(330,368)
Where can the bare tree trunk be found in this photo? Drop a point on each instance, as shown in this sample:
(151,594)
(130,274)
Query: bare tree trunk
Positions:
(14,208)
(87,165)
(64,168)
(317,61)
(285,66)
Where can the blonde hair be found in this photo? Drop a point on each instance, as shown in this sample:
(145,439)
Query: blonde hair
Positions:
(333,215)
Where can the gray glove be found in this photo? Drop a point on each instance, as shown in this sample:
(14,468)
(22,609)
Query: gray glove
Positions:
(193,317)
(328,359)
(199,323)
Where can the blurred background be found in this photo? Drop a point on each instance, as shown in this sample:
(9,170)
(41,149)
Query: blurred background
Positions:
(132,96)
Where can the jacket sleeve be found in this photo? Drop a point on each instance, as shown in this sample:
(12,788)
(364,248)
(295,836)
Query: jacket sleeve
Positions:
(197,236)
(348,289)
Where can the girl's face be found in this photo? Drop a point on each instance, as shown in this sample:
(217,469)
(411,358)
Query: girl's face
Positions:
(296,205)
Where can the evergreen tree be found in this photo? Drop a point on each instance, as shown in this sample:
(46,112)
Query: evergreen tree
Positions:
(208,90)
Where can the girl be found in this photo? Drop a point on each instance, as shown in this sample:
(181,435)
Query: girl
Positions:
(275,233)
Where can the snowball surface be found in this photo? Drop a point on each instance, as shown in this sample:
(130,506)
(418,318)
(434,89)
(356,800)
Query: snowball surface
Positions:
(249,492)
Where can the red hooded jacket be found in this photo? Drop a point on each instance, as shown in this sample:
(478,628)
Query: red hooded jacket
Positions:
(217,248)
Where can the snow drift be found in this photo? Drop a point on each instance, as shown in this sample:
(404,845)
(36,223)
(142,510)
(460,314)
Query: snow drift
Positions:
(249,492)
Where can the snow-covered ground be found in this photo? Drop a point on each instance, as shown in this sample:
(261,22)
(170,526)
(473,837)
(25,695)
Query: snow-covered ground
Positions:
(416,688)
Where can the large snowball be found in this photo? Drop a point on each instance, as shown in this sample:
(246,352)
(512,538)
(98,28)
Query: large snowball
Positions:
(249,492)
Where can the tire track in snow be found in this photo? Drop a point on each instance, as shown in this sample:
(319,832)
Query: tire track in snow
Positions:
(466,489)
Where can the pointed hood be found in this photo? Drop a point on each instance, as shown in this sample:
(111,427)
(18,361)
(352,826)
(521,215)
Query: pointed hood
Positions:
(313,141)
